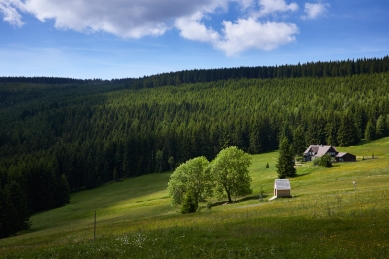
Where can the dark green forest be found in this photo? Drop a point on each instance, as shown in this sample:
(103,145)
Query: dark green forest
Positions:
(61,135)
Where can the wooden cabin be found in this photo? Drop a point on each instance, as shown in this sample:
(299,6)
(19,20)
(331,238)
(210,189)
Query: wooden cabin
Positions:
(345,157)
(282,188)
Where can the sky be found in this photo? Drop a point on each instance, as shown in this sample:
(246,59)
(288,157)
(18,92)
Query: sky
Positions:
(88,39)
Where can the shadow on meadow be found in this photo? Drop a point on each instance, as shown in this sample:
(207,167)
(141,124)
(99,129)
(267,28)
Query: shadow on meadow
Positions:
(256,197)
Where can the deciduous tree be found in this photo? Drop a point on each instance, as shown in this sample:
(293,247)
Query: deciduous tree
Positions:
(230,172)
(192,176)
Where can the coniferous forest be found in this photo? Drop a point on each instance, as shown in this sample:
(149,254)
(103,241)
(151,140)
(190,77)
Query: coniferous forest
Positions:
(60,135)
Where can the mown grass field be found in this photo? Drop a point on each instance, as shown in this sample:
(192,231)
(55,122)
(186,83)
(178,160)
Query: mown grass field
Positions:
(326,218)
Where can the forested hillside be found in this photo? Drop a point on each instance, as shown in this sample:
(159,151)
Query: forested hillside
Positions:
(56,138)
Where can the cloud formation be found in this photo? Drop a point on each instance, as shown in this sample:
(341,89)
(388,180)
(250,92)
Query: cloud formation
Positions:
(250,34)
(140,18)
(9,10)
(313,11)
(273,6)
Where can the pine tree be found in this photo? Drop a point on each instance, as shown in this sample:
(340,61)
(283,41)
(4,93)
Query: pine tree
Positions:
(299,144)
(347,133)
(380,127)
(285,164)
(189,204)
(370,132)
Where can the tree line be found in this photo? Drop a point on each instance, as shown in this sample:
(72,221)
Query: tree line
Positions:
(310,69)
(55,139)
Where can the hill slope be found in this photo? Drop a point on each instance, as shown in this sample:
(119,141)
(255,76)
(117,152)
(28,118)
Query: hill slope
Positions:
(326,218)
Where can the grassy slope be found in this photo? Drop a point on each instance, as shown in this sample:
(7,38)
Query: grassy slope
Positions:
(327,218)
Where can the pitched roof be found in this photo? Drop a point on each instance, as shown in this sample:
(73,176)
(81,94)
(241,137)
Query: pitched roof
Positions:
(323,150)
(313,147)
(282,184)
(320,150)
(340,154)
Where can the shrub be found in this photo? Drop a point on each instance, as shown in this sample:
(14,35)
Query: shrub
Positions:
(325,161)
(316,161)
(190,204)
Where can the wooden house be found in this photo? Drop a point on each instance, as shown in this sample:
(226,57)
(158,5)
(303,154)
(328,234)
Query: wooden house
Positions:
(314,151)
(282,188)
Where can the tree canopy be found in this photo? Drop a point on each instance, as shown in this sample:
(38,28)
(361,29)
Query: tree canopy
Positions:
(191,177)
(230,172)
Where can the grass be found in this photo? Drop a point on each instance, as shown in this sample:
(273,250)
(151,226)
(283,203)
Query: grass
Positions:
(327,218)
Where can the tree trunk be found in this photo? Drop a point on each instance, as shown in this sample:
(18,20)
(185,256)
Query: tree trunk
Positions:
(229,197)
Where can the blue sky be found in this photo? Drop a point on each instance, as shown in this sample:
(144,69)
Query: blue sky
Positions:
(132,38)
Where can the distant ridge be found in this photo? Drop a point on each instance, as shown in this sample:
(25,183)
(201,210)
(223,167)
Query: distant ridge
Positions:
(310,69)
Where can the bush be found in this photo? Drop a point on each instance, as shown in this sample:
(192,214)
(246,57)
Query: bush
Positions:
(190,203)
(316,161)
(326,161)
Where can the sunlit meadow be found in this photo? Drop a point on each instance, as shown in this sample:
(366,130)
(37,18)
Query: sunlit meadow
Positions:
(326,218)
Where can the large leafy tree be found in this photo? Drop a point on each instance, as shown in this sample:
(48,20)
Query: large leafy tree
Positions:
(230,172)
(285,164)
(192,176)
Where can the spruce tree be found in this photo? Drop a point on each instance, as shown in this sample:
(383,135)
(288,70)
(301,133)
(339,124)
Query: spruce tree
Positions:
(370,131)
(347,133)
(285,164)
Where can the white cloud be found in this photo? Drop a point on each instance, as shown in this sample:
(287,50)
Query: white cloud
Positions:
(192,29)
(9,10)
(314,10)
(238,37)
(273,6)
(251,34)
(124,18)
(140,18)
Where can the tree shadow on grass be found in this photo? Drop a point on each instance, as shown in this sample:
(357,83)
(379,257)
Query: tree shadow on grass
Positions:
(247,198)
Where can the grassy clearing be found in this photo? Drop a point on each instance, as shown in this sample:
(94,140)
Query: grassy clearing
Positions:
(327,218)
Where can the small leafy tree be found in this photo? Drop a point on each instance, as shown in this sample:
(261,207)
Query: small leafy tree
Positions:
(267,164)
(285,164)
(230,172)
(325,160)
(191,177)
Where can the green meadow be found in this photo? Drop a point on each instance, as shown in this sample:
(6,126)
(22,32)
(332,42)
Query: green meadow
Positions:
(326,218)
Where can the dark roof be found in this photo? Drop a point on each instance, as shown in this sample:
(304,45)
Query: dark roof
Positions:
(342,154)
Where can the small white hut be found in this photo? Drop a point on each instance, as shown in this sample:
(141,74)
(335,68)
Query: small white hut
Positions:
(282,188)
